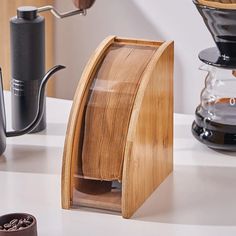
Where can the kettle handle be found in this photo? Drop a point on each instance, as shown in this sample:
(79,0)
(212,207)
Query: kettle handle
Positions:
(2,102)
(39,113)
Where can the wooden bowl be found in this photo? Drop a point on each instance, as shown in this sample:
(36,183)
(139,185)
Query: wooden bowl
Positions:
(31,230)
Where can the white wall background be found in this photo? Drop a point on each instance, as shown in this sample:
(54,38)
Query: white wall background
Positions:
(77,37)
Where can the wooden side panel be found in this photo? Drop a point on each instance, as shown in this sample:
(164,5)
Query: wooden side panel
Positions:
(149,152)
(8,10)
(109,109)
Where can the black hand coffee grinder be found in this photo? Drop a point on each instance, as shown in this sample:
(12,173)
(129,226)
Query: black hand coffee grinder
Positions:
(28,62)
(28,66)
(215,117)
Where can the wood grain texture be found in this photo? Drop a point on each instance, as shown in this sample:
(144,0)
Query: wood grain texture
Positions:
(148,156)
(109,109)
(7,10)
(222,4)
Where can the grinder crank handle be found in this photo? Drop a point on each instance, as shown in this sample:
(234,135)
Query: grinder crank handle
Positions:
(82,6)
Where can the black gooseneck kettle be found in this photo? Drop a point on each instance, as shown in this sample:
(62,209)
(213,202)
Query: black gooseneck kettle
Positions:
(38,115)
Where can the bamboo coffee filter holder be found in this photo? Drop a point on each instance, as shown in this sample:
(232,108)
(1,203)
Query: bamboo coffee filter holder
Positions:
(119,141)
(221,4)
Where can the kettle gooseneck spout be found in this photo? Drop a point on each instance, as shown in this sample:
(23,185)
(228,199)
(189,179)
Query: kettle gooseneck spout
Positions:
(40,110)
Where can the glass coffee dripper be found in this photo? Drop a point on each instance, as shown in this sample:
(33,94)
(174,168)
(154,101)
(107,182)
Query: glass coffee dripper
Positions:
(215,117)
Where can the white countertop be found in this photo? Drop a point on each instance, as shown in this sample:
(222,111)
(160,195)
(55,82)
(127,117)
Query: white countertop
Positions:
(198,198)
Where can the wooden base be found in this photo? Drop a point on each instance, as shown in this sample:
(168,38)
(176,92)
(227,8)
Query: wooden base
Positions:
(107,200)
(120,127)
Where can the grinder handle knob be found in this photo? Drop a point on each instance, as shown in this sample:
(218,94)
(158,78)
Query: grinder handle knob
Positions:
(83,4)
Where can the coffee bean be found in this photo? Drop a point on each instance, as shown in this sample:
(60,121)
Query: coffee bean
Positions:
(20,223)
(14,228)
(17,224)
(29,218)
(7,226)
(14,222)
(26,222)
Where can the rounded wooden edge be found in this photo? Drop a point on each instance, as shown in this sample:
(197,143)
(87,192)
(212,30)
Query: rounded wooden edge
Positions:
(219,5)
(133,123)
(143,42)
(72,128)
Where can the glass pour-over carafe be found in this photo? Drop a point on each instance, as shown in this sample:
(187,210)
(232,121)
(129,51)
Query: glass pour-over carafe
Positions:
(215,121)
(215,117)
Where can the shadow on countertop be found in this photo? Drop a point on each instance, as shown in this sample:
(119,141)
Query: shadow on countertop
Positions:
(193,196)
